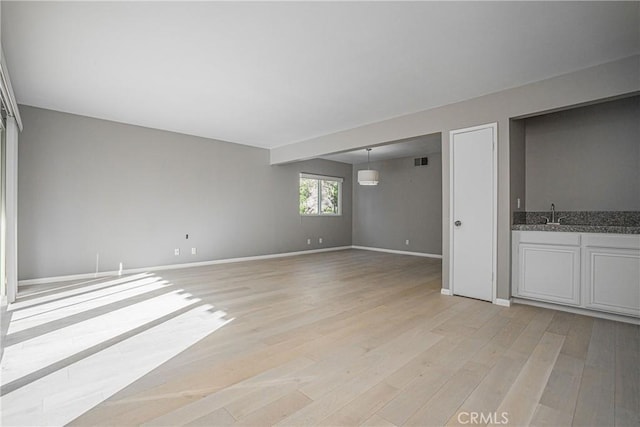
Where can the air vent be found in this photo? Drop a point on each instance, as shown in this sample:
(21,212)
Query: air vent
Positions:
(421,161)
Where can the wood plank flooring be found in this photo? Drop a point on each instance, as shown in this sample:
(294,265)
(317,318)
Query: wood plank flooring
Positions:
(336,339)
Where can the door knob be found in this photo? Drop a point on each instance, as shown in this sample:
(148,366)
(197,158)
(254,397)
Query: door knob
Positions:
(458,223)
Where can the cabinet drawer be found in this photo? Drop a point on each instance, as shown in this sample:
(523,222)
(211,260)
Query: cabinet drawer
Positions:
(549,273)
(550,238)
(617,241)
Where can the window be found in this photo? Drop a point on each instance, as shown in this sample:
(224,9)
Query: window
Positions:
(320,195)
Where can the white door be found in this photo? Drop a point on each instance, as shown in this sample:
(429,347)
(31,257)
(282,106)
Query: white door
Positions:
(473,212)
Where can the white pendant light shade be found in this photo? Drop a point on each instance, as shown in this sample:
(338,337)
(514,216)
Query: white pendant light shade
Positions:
(368,177)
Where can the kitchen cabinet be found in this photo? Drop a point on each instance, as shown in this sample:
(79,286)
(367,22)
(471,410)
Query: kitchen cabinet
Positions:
(586,270)
(550,273)
(611,270)
(548,267)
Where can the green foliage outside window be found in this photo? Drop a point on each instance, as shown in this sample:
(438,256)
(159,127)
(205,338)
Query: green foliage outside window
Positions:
(319,196)
(308,196)
(330,196)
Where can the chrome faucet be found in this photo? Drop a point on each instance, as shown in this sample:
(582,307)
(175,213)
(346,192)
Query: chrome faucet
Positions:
(553,216)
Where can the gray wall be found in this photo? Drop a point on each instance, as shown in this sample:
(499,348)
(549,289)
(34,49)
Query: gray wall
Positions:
(129,193)
(586,158)
(406,204)
(517,165)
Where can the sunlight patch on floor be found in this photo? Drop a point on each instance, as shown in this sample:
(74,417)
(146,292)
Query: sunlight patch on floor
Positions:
(30,302)
(31,355)
(64,395)
(56,376)
(56,310)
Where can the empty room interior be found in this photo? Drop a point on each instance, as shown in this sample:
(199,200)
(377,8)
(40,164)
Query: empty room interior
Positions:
(320,213)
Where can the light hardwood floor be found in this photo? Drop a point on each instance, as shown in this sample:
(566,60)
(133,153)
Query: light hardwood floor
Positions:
(341,338)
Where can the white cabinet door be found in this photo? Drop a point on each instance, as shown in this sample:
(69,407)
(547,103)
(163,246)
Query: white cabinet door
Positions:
(549,273)
(612,279)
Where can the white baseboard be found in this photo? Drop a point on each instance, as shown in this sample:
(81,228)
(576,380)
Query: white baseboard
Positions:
(85,276)
(578,310)
(393,251)
(503,302)
(447,292)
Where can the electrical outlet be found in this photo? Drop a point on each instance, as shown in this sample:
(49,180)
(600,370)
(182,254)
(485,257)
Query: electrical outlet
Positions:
(406,242)
(308,241)
(193,251)
(320,240)
(176,251)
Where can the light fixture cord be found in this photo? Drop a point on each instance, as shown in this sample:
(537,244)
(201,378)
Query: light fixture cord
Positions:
(368,159)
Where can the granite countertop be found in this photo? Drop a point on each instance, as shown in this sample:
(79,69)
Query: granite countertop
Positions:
(578,228)
(619,222)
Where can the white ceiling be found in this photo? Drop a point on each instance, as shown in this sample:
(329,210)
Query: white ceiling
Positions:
(413,147)
(270,74)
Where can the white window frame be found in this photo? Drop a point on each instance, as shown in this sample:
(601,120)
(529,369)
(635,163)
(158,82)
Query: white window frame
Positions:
(322,178)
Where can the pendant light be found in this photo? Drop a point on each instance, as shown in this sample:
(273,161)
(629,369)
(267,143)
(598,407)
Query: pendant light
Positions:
(368,176)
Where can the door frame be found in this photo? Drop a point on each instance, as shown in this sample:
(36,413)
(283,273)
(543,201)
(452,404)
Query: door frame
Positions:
(452,133)
(3,244)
